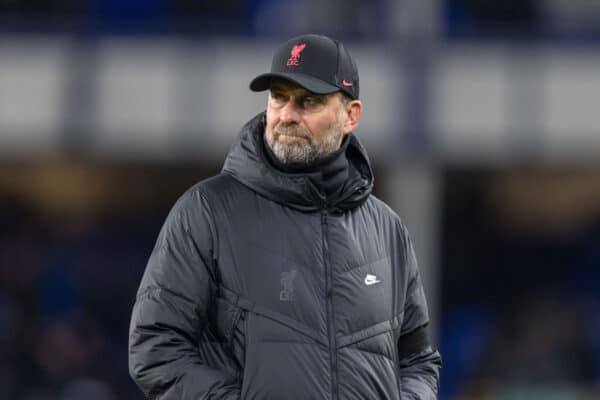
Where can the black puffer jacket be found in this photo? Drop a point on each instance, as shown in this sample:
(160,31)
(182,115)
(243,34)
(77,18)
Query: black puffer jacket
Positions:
(280,286)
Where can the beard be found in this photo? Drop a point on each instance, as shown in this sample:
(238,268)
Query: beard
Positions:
(293,145)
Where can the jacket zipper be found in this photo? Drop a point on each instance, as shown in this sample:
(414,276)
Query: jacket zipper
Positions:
(329,301)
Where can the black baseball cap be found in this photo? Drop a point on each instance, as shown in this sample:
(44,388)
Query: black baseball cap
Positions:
(318,63)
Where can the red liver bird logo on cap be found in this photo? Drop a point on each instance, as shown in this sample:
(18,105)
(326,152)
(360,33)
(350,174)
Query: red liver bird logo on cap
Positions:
(294,60)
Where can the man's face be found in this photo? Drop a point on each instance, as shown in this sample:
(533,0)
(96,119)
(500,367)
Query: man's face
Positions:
(303,127)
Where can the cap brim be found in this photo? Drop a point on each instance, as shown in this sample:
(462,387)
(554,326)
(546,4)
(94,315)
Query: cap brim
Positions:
(308,82)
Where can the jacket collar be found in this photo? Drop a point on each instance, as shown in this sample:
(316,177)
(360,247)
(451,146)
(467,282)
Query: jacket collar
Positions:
(340,182)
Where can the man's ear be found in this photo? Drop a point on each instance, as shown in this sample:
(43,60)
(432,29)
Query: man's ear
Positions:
(353,112)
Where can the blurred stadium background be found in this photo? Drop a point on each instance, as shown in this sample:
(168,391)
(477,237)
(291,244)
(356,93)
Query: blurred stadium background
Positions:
(481,118)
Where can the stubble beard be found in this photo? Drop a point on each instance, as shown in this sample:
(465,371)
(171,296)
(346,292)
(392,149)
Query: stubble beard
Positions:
(294,145)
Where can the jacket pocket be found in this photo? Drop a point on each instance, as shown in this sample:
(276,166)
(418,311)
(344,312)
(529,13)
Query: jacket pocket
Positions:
(237,341)
(230,322)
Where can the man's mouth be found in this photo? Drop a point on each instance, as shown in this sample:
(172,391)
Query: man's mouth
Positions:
(292,136)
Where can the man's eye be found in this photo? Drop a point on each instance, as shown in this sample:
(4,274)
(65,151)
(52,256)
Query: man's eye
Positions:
(312,101)
(277,98)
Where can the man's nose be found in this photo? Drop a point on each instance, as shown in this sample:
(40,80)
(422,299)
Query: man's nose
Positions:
(290,113)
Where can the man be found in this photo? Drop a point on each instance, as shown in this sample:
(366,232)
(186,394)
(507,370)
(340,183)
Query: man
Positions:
(283,277)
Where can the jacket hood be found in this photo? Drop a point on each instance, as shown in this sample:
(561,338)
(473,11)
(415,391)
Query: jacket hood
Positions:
(248,163)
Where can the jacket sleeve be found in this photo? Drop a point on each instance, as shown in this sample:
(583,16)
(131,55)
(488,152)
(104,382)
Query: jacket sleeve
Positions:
(170,356)
(419,364)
